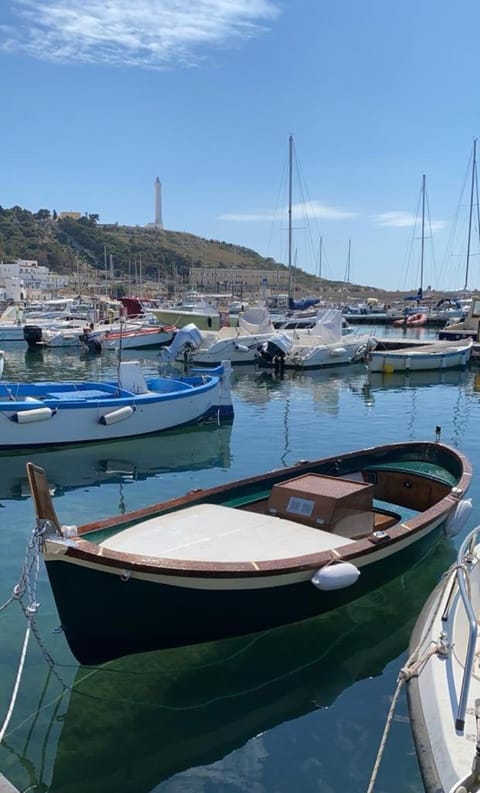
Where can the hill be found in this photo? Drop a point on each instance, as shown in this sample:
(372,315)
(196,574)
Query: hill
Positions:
(64,244)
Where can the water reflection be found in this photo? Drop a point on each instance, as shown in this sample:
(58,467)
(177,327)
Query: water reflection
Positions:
(399,380)
(190,449)
(137,721)
(322,386)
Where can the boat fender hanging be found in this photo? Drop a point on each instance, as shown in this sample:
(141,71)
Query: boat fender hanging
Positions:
(458,517)
(335,576)
(28,416)
(337,351)
(117,415)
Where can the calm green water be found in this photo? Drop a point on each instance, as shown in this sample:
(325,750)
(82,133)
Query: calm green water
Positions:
(302,707)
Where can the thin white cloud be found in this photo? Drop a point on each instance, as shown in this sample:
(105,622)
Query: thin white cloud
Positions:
(152,34)
(311,209)
(405,220)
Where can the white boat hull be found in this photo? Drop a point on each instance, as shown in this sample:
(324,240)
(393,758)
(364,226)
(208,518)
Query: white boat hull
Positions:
(48,414)
(445,736)
(446,355)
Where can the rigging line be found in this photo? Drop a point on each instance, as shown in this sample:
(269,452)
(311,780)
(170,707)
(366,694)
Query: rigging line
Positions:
(306,201)
(454,226)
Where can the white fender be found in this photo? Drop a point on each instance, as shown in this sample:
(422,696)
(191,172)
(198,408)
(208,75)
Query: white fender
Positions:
(27,416)
(337,352)
(458,517)
(335,576)
(117,415)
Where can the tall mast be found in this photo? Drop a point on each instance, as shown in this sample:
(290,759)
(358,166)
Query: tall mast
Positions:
(290,193)
(320,258)
(472,187)
(423,236)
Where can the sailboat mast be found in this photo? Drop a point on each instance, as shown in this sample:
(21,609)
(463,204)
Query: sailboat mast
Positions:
(290,195)
(472,187)
(320,258)
(423,237)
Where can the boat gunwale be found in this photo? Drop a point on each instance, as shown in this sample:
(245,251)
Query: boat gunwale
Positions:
(82,549)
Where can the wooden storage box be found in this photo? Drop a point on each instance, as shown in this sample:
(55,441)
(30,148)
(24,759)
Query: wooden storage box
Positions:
(325,502)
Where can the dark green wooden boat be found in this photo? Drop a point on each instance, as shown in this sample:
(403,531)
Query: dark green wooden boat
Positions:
(249,555)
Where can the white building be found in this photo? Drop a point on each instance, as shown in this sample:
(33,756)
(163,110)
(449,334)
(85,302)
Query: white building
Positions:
(26,279)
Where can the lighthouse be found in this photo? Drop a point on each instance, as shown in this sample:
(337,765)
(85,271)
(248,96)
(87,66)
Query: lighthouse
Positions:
(158,204)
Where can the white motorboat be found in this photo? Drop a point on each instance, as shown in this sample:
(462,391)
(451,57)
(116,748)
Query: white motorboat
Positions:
(237,345)
(322,345)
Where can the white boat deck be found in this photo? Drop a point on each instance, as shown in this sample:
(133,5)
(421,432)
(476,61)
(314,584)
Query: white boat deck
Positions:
(211,533)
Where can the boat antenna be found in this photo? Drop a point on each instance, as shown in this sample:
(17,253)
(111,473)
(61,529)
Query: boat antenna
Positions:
(472,188)
(290,195)
(420,291)
(120,349)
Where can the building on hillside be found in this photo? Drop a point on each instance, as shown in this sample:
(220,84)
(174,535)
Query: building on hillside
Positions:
(26,279)
(238,279)
(71,215)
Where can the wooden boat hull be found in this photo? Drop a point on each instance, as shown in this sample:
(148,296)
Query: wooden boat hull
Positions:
(116,616)
(215,697)
(169,594)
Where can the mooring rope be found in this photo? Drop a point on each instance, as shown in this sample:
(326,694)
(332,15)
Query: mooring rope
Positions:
(25,593)
(413,666)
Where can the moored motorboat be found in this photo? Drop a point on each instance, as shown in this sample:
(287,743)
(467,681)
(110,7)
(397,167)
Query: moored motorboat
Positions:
(443,688)
(64,412)
(237,344)
(242,557)
(322,345)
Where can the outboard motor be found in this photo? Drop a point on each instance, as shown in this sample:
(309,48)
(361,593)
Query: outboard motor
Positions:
(32,335)
(185,340)
(273,351)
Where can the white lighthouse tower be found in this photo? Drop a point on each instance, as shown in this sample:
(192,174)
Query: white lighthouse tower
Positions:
(158,204)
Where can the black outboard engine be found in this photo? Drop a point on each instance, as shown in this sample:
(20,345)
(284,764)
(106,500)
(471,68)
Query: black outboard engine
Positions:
(92,344)
(272,352)
(32,335)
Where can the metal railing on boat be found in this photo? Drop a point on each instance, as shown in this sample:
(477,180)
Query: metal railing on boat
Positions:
(464,558)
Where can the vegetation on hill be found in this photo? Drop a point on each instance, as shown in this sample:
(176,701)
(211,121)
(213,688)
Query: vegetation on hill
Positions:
(64,244)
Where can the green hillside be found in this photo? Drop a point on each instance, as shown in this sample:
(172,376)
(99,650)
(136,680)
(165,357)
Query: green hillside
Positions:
(65,244)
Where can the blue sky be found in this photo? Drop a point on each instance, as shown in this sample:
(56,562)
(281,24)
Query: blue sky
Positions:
(98,97)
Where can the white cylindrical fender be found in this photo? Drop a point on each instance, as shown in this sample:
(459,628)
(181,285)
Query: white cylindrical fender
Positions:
(337,352)
(458,517)
(37,414)
(335,576)
(117,415)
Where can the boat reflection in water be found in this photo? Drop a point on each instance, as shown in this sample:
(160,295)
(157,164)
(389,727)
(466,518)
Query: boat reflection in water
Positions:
(190,449)
(399,380)
(139,720)
(322,386)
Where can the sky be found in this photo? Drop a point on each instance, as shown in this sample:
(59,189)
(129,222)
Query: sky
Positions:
(99,97)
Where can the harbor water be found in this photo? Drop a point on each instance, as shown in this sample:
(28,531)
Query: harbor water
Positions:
(301,707)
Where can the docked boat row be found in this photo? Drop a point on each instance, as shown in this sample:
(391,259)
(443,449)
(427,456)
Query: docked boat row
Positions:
(255,340)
